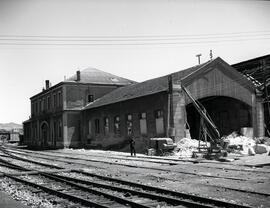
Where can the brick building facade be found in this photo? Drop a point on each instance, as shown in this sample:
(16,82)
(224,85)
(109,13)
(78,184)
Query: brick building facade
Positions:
(55,112)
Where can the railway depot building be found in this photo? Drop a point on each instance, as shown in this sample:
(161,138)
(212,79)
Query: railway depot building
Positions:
(160,108)
(155,108)
(55,120)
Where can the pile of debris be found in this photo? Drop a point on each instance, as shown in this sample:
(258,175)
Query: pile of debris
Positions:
(186,147)
(233,143)
(245,145)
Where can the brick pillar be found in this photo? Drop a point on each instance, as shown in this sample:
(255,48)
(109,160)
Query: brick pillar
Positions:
(260,117)
(179,114)
(257,116)
(254,115)
(64,97)
(38,139)
(65,139)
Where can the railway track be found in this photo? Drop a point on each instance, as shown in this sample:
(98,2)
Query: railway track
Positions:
(116,191)
(155,159)
(160,160)
(67,160)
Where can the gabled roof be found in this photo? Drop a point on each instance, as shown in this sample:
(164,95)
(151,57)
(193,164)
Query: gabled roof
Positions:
(225,68)
(92,76)
(145,88)
(96,76)
(160,84)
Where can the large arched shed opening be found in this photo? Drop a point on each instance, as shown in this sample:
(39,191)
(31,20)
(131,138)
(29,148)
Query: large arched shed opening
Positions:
(228,114)
(225,93)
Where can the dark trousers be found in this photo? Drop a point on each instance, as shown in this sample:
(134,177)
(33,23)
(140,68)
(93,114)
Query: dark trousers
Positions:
(132,151)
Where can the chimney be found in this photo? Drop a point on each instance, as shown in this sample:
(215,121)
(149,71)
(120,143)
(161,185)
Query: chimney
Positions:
(47,84)
(78,76)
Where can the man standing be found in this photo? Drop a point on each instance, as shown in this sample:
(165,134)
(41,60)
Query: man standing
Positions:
(132,147)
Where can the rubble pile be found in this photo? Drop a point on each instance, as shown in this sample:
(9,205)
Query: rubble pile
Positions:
(186,147)
(233,143)
(245,145)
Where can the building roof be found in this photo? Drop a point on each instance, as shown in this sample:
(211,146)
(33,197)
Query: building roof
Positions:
(145,88)
(96,76)
(160,84)
(256,70)
(92,76)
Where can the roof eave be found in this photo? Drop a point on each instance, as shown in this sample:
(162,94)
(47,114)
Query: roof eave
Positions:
(88,107)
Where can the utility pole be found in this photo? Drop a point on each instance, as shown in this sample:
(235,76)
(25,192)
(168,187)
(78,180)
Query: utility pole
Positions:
(199,59)
(211,55)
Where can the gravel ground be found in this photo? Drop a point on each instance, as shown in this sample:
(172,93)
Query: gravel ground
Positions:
(32,197)
(20,193)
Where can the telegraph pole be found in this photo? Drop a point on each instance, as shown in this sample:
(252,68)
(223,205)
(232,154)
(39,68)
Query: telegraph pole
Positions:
(211,54)
(199,58)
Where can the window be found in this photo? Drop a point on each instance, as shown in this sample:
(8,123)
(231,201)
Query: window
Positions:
(32,109)
(54,100)
(60,129)
(159,122)
(90,98)
(48,102)
(129,124)
(54,129)
(159,113)
(40,106)
(117,125)
(97,130)
(143,125)
(36,104)
(43,104)
(106,125)
(35,131)
(59,99)
(89,127)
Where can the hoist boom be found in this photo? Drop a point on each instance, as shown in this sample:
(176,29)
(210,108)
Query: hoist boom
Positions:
(212,130)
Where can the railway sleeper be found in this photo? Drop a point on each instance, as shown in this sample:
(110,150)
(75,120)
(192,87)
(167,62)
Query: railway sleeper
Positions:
(200,199)
(157,197)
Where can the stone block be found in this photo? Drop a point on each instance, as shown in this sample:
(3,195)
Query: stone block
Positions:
(261,148)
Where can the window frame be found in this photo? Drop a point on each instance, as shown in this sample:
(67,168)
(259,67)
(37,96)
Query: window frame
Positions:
(106,125)
(143,117)
(129,124)
(117,122)
(97,126)
(90,98)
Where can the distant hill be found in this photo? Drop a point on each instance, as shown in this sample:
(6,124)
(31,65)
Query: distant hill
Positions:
(11,125)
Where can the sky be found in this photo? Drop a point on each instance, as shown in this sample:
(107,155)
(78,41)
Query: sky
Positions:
(135,39)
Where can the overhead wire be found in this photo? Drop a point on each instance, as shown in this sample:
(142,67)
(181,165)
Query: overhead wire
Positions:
(131,40)
(126,44)
(119,38)
(138,36)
